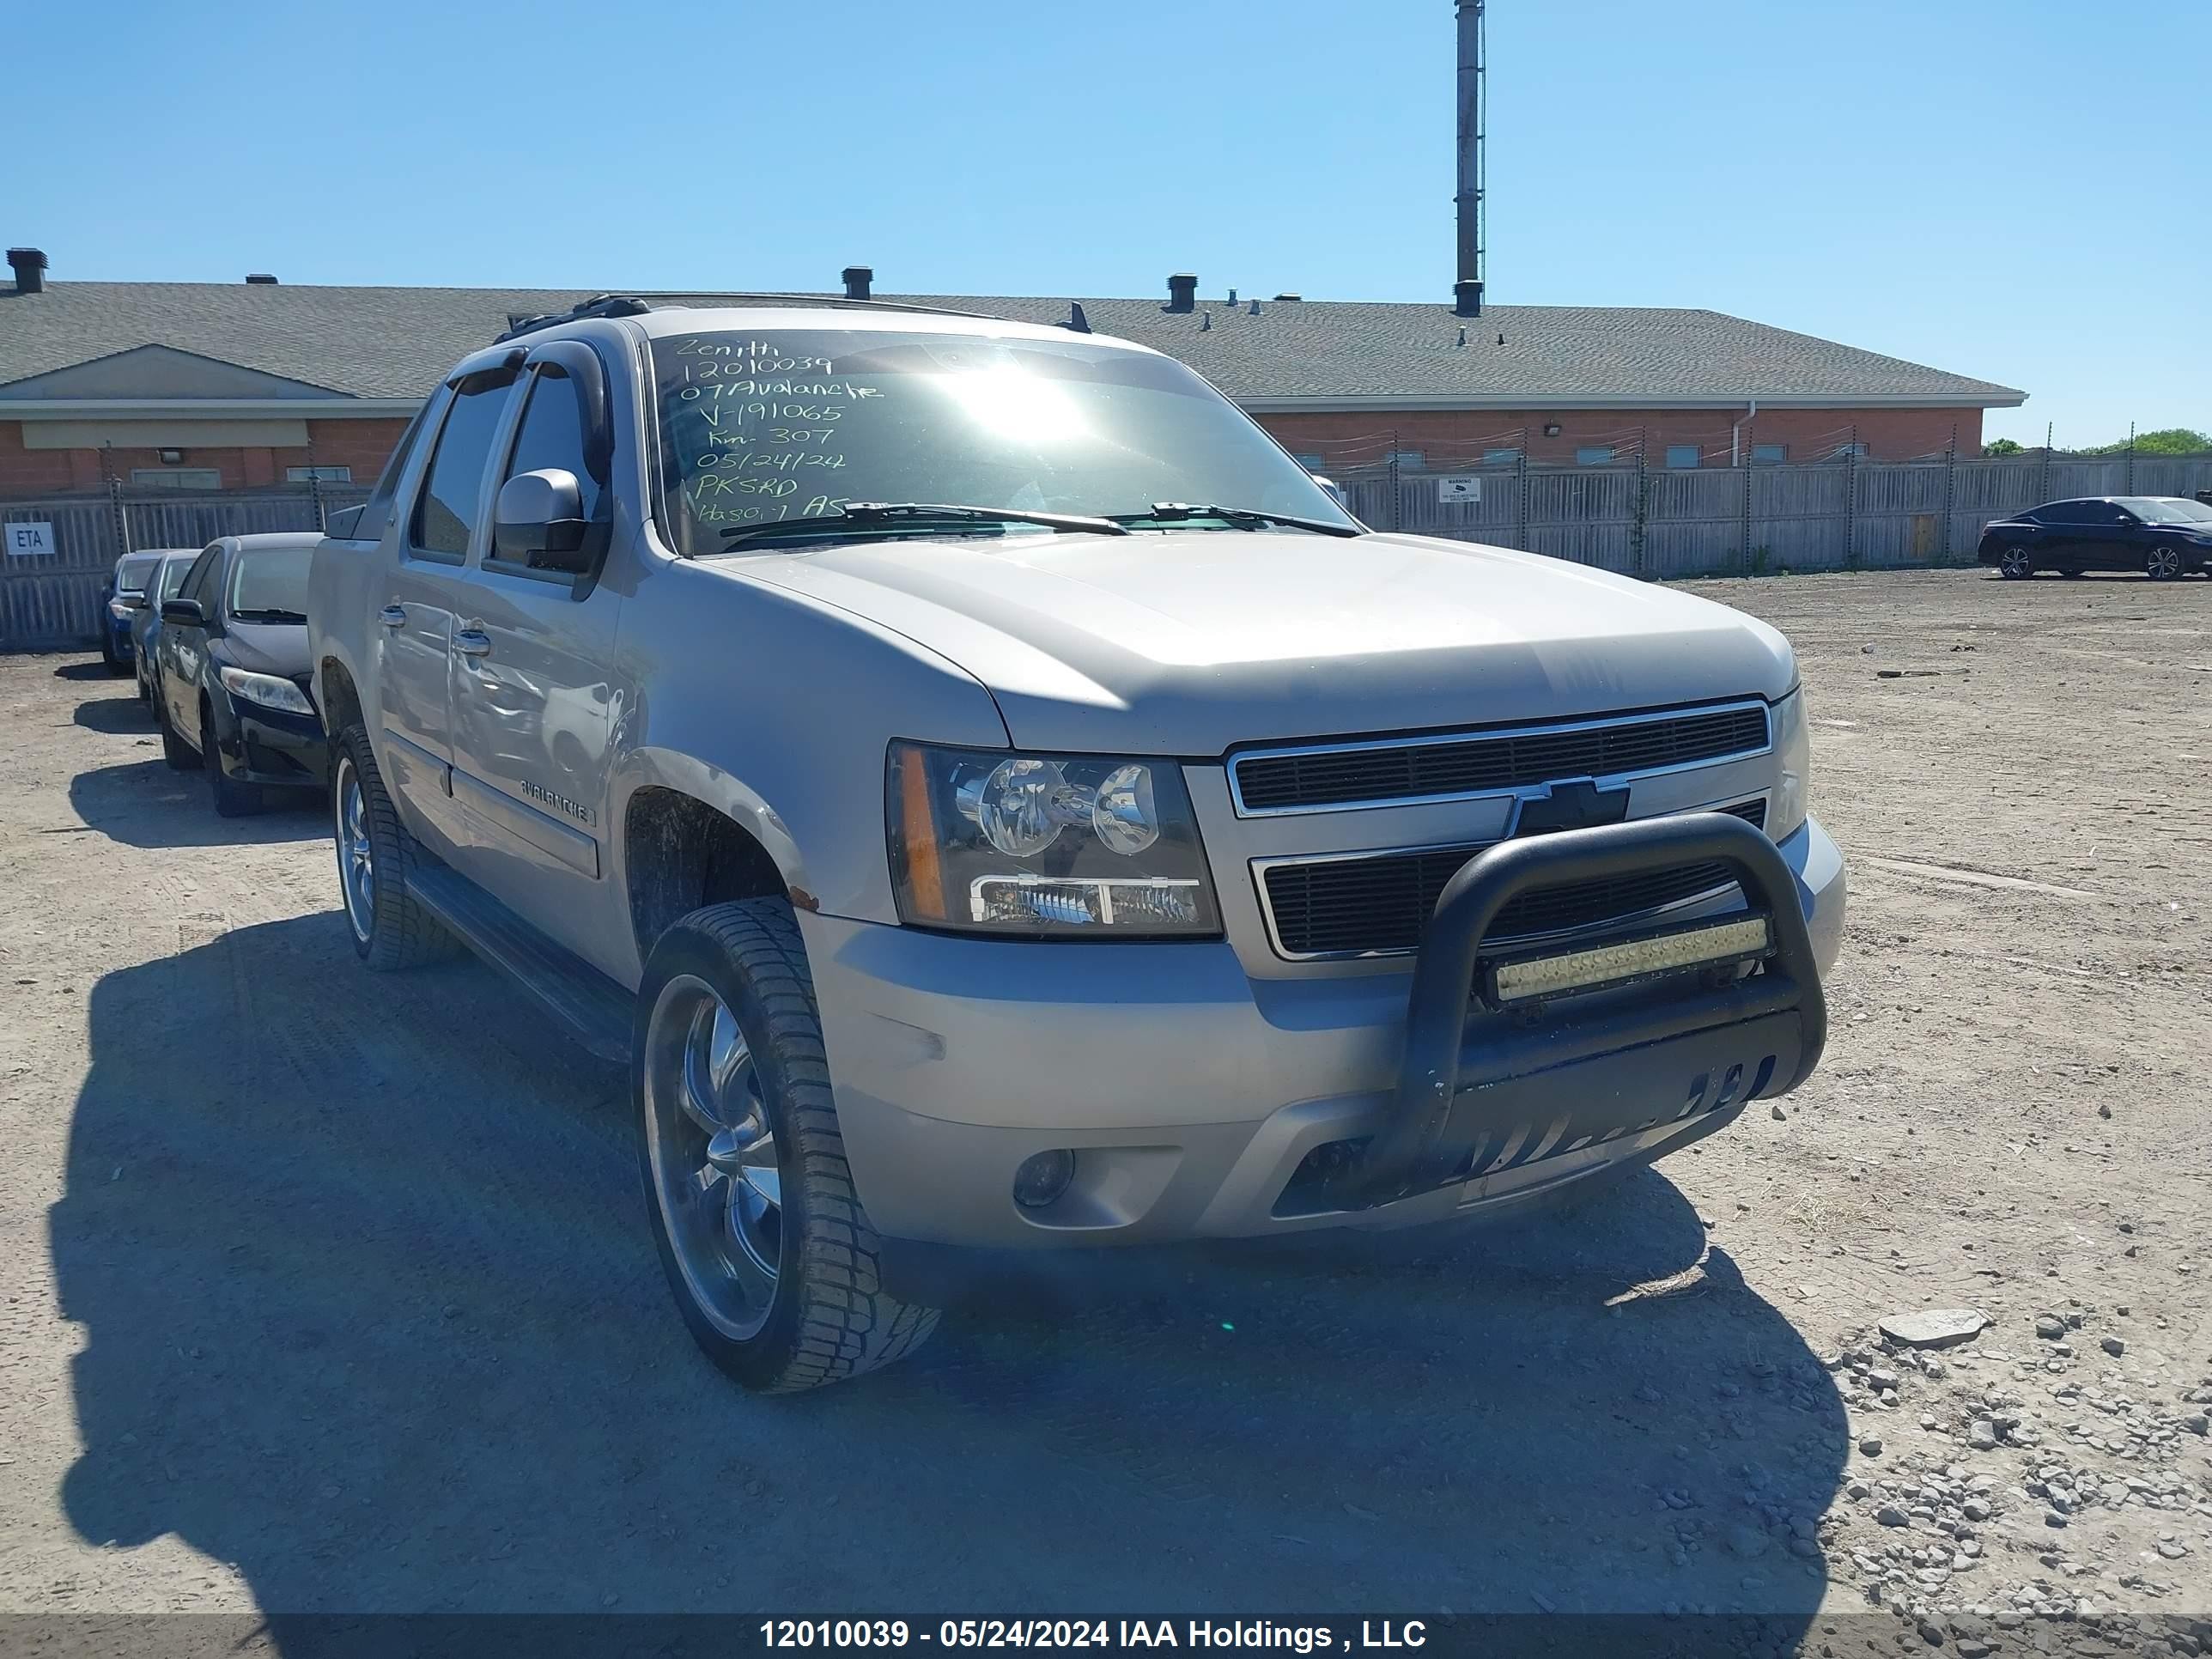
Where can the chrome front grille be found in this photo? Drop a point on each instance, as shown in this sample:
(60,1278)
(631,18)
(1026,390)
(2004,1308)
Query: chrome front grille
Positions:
(1399,771)
(1379,903)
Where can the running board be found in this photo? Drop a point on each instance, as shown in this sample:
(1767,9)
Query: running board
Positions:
(588,1004)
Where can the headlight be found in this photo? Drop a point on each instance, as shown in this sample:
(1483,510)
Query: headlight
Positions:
(1793,754)
(990,842)
(119,610)
(268,690)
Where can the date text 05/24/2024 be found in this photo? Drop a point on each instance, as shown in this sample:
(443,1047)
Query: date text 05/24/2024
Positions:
(1109,1634)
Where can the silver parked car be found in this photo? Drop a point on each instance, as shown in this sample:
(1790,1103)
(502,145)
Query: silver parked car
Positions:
(992,796)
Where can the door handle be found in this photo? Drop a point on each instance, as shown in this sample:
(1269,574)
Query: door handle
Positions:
(472,643)
(392,616)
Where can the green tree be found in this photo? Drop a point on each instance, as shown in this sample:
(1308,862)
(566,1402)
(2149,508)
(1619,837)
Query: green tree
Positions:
(2166,441)
(2001,447)
(2172,440)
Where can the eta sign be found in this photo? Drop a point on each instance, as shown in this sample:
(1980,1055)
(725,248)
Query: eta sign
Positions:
(30,538)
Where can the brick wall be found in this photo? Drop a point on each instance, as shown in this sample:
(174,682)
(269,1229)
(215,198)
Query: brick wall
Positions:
(1346,439)
(1460,436)
(363,446)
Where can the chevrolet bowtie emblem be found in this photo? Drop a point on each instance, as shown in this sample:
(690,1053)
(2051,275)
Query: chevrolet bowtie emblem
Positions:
(1576,805)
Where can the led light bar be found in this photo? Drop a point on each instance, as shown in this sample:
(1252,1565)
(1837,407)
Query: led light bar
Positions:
(1731,940)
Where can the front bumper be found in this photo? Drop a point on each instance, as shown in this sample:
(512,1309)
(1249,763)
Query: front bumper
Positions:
(269,746)
(1196,1094)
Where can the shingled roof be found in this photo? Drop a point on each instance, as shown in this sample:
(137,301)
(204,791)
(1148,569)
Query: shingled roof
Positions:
(389,342)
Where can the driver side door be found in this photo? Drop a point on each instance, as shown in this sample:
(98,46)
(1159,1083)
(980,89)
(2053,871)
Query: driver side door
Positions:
(2111,539)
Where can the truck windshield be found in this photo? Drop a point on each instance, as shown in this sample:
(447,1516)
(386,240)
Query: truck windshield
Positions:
(760,426)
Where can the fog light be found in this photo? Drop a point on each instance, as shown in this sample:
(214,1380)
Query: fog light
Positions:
(1043,1177)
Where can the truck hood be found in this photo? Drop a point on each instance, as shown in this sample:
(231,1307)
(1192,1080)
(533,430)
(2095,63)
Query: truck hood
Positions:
(1192,642)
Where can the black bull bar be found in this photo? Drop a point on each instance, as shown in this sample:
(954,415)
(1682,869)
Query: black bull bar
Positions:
(1482,1086)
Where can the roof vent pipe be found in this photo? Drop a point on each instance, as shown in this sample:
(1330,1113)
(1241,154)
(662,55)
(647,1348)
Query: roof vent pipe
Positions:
(260,279)
(857,278)
(1467,299)
(29,264)
(1182,292)
(1232,299)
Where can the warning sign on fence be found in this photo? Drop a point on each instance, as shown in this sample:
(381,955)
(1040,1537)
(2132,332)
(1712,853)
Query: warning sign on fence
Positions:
(1459,487)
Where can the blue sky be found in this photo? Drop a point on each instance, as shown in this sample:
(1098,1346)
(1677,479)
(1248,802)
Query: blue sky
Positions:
(2016,191)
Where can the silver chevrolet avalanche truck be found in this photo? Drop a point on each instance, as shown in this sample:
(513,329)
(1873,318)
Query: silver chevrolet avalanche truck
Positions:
(991,796)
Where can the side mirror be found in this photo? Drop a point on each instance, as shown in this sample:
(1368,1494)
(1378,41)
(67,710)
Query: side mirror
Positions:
(540,521)
(344,523)
(190,612)
(134,601)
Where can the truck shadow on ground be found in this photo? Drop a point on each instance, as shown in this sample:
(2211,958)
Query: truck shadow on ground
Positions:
(146,802)
(370,1311)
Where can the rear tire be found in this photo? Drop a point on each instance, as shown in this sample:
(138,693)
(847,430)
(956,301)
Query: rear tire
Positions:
(391,928)
(231,799)
(772,1263)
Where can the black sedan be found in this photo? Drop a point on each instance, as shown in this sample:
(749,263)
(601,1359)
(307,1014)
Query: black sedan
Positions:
(232,680)
(2162,536)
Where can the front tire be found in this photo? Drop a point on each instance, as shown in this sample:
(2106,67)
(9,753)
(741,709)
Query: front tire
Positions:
(230,797)
(772,1263)
(181,756)
(2015,564)
(2163,564)
(391,929)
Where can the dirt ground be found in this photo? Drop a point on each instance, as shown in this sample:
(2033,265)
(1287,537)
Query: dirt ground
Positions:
(327,1293)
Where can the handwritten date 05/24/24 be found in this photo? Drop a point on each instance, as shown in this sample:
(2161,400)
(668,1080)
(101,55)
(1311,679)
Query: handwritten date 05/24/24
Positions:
(1109,1634)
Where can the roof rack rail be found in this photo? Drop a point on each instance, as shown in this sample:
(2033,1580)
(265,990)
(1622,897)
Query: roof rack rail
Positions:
(838,302)
(599,305)
(633,305)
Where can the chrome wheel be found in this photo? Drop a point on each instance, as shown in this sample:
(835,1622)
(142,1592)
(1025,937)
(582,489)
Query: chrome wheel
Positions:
(712,1152)
(2016,563)
(2164,564)
(356,856)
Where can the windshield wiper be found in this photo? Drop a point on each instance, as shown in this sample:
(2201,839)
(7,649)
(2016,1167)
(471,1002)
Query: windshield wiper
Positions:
(268,616)
(1237,518)
(893,515)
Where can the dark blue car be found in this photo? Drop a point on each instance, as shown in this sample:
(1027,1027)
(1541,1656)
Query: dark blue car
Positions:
(128,581)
